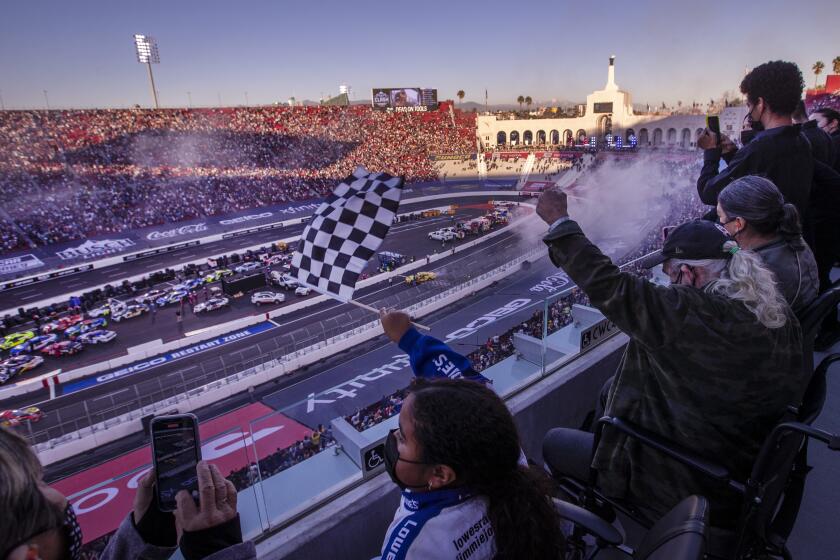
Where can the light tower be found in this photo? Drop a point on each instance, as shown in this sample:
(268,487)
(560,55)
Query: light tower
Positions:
(147,53)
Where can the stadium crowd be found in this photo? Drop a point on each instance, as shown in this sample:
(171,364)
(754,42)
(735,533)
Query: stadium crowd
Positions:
(66,175)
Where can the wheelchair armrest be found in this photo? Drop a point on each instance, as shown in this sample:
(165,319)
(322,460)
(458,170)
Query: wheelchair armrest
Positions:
(669,448)
(590,522)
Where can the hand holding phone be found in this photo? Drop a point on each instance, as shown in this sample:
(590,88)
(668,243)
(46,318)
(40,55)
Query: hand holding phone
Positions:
(176,451)
(216,504)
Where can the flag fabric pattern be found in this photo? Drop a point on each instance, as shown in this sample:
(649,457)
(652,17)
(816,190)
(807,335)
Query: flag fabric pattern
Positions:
(345,232)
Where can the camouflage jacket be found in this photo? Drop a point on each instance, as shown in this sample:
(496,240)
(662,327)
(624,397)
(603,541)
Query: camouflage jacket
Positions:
(699,370)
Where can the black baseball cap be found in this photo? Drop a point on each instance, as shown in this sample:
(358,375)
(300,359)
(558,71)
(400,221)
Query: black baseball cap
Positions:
(695,240)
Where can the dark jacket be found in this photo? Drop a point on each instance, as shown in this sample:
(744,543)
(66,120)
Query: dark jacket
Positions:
(822,148)
(793,264)
(781,154)
(698,370)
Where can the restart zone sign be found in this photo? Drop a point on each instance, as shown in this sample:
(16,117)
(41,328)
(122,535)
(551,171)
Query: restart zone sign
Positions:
(139,367)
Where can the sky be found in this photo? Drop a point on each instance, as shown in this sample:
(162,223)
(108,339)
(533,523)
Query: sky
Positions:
(82,53)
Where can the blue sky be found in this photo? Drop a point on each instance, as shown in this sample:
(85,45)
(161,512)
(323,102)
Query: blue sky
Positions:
(82,51)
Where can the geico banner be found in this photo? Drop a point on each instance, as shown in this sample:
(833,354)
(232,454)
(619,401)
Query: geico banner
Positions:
(488,318)
(103,495)
(176,232)
(243,219)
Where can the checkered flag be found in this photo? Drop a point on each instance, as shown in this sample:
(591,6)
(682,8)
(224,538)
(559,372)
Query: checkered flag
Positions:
(346,231)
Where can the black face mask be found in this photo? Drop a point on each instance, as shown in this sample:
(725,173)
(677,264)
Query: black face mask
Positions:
(756,126)
(392,457)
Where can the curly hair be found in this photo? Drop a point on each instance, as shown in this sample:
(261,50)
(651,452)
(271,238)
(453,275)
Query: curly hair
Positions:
(465,425)
(779,83)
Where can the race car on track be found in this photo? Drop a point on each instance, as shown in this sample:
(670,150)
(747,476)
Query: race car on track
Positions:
(18,364)
(101,311)
(85,326)
(15,339)
(259,298)
(190,285)
(302,291)
(150,296)
(16,417)
(129,312)
(34,344)
(217,275)
(65,347)
(98,336)
(172,297)
(247,267)
(420,277)
(211,304)
(62,324)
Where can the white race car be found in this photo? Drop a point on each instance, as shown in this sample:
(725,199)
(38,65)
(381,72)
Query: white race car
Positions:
(302,291)
(247,267)
(97,337)
(101,311)
(211,304)
(259,298)
(129,311)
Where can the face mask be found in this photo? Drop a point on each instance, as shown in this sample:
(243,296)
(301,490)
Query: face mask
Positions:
(658,276)
(73,532)
(392,457)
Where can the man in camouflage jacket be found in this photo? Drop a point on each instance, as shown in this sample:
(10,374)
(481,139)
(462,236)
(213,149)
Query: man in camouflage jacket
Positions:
(699,370)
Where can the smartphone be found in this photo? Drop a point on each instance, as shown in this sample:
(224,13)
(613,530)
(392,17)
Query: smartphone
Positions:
(176,450)
(713,123)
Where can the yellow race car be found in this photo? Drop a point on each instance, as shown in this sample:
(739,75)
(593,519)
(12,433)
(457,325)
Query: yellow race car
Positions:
(13,340)
(420,277)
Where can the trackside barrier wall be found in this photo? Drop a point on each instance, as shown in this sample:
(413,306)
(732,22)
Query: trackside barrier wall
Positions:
(121,426)
(104,263)
(149,350)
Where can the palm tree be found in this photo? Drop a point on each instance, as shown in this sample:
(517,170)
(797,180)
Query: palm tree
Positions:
(520,100)
(836,64)
(528,102)
(460,95)
(817,68)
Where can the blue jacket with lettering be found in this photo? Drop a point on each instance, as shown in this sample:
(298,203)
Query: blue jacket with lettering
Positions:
(447,524)
(429,357)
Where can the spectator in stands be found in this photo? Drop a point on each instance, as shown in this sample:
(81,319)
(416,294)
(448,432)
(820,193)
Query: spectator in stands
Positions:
(465,493)
(39,522)
(713,361)
(829,121)
(777,150)
(755,214)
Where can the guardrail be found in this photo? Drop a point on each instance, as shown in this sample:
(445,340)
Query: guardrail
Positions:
(265,369)
(145,351)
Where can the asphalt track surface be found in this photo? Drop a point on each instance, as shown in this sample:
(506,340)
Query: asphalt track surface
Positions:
(24,296)
(409,238)
(121,395)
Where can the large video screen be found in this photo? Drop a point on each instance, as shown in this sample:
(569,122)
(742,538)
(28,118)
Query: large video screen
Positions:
(603,108)
(405,99)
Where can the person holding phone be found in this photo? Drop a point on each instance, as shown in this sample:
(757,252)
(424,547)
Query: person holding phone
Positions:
(40,524)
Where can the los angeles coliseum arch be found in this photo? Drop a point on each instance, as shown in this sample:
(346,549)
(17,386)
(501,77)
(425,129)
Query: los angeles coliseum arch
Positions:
(608,111)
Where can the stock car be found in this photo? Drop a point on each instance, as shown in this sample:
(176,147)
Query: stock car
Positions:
(190,285)
(247,267)
(259,298)
(15,339)
(98,336)
(62,324)
(85,326)
(172,297)
(129,312)
(33,344)
(65,347)
(420,277)
(16,365)
(217,275)
(101,311)
(16,417)
(302,291)
(211,304)
(151,296)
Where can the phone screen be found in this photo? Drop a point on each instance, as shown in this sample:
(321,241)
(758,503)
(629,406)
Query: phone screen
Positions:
(713,123)
(176,451)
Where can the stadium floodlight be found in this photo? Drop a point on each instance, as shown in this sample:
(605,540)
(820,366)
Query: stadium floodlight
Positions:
(147,53)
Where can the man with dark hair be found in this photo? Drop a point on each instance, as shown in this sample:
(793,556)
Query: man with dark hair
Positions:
(829,121)
(822,147)
(773,146)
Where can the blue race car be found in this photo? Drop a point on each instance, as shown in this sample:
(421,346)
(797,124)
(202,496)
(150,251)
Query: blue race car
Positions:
(85,326)
(98,336)
(34,344)
(172,297)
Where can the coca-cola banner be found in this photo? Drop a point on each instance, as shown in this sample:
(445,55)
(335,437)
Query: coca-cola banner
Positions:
(176,232)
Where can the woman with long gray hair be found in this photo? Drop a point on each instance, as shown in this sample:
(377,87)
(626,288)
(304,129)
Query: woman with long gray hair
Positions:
(754,213)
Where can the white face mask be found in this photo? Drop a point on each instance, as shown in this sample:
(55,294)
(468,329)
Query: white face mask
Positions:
(658,276)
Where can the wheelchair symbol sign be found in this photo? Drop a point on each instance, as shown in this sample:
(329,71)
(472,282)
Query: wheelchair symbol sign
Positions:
(374,457)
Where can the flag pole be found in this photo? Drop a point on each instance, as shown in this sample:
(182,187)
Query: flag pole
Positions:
(374,310)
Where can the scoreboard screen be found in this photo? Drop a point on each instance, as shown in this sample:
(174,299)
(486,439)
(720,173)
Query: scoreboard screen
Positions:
(405,99)
(603,107)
